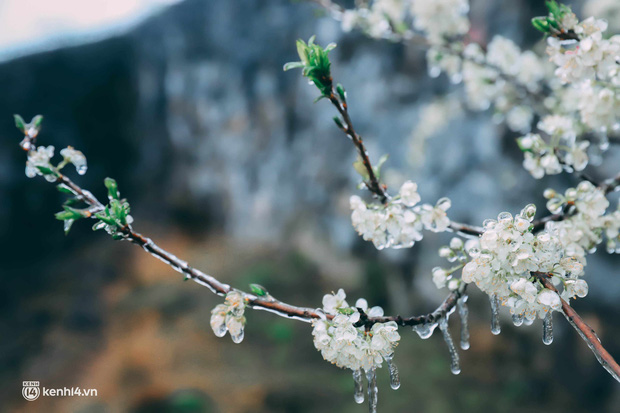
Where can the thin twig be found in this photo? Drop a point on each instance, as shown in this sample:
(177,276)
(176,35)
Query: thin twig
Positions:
(267,303)
(585,331)
(373,183)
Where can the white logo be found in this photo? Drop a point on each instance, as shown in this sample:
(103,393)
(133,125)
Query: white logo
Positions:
(31,390)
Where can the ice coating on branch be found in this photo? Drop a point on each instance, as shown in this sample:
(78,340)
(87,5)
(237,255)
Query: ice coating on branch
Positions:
(602,362)
(229,316)
(394,376)
(496,328)
(358,379)
(464,315)
(399,223)
(425,330)
(454,355)
(547,337)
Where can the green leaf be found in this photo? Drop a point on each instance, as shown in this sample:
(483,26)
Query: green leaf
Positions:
(293,65)
(346,311)
(37,121)
(45,170)
(338,122)
(541,24)
(360,169)
(105,219)
(330,47)
(379,165)
(259,290)
(112,188)
(65,189)
(63,215)
(19,123)
(341,92)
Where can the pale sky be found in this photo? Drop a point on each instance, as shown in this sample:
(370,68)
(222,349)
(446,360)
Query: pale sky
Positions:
(31,25)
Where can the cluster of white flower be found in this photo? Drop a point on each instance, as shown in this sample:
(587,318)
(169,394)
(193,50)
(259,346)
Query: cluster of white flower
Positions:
(347,346)
(589,58)
(75,157)
(588,222)
(453,252)
(398,223)
(440,19)
(542,158)
(591,65)
(40,158)
(485,77)
(376,19)
(229,316)
(506,255)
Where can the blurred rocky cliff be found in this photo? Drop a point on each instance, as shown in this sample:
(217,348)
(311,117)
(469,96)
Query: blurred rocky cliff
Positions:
(228,162)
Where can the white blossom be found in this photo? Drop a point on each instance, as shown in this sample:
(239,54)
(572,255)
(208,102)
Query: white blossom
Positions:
(399,223)
(75,157)
(229,316)
(40,158)
(507,255)
(347,346)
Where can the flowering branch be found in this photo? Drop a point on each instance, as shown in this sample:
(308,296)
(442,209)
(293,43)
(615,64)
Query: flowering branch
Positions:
(260,301)
(585,331)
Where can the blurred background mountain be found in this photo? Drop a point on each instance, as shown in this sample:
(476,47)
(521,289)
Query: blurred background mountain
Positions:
(228,164)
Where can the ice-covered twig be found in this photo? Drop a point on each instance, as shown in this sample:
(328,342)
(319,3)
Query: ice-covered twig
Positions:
(585,331)
(267,302)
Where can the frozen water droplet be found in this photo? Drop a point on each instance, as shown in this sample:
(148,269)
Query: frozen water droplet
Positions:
(425,330)
(237,338)
(464,314)
(495,326)
(358,396)
(394,376)
(220,331)
(81,170)
(489,223)
(528,321)
(517,319)
(371,376)
(548,328)
(454,355)
(26,145)
(504,217)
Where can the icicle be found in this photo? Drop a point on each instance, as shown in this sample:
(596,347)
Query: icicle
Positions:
(594,350)
(464,313)
(358,396)
(394,377)
(528,321)
(371,376)
(495,327)
(517,319)
(548,328)
(425,330)
(454,365)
